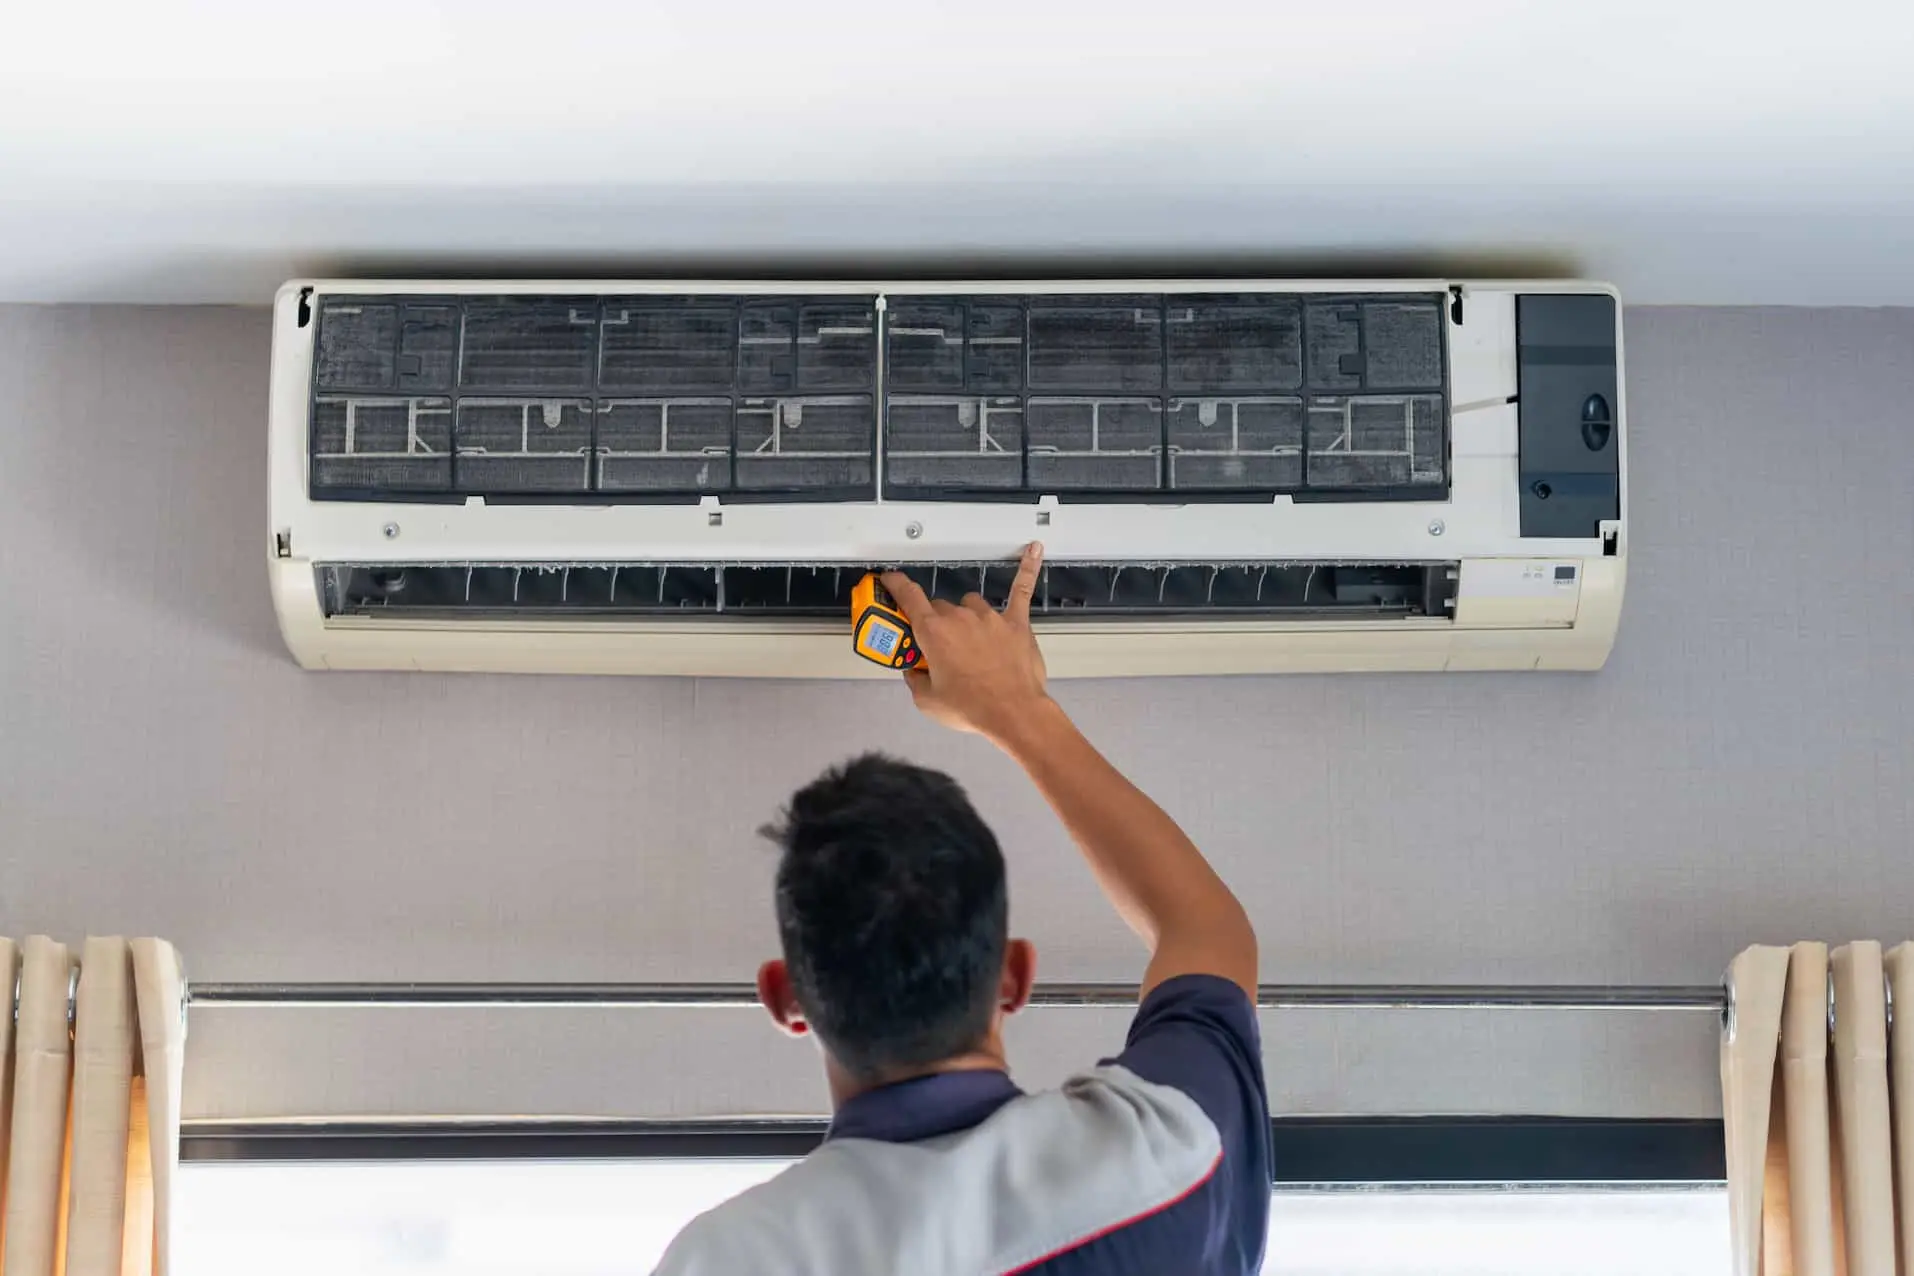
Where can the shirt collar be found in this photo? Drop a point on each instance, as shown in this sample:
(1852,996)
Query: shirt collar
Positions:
(924,1107)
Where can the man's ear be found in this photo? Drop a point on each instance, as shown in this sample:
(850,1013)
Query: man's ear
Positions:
(1019,977)
(774,993)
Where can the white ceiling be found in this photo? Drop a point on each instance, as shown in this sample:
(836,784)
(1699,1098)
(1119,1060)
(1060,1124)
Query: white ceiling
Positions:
(1708,152)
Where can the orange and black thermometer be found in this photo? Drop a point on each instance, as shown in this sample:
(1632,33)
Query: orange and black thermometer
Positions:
(879,630)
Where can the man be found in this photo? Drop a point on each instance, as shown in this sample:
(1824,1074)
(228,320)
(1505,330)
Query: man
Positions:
(892,913)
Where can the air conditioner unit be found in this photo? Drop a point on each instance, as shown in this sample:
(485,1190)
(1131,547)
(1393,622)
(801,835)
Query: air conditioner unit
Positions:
(688,478)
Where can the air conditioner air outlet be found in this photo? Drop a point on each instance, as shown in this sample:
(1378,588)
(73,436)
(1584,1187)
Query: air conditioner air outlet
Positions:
(793,589)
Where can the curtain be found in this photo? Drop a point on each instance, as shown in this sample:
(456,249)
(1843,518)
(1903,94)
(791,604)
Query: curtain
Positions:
(1818,1100)
(90,1065)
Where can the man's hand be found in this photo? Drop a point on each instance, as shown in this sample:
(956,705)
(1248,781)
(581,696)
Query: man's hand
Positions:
(985,673)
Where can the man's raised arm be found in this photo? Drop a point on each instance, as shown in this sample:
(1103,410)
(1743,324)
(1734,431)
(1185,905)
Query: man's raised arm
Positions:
(986,675)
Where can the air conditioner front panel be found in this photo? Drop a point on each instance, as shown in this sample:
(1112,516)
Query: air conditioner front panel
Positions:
(1163,440)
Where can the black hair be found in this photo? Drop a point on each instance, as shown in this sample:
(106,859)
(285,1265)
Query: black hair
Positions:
(893,913)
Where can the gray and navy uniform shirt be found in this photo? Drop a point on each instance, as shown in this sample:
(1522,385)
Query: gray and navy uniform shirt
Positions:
(1155,1162)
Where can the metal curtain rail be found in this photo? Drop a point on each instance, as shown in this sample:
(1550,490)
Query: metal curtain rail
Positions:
(580,996)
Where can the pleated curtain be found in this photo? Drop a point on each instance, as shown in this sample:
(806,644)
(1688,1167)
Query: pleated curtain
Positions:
(89,1106)
(1818,1099)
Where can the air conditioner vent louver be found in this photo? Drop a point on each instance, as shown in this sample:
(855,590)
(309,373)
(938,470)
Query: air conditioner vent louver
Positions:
(1295,590)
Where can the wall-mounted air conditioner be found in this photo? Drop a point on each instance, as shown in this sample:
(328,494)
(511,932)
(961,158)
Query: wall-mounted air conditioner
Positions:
(678,478)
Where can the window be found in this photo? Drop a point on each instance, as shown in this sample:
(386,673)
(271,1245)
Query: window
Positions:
(444,1218)
(458,1217)
(1499,1232)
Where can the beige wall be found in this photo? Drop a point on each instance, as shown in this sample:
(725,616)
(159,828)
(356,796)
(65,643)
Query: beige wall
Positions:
(1740,772)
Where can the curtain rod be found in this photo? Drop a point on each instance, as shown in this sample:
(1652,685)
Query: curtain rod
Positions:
(580,996)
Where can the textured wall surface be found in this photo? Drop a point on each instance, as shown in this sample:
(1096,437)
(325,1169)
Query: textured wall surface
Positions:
(1740,772)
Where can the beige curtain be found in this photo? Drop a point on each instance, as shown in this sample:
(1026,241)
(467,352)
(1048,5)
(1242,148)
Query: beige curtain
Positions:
(1818,1098)
(90,1067)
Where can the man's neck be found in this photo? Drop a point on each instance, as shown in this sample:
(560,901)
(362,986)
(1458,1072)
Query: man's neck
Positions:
(845,1087)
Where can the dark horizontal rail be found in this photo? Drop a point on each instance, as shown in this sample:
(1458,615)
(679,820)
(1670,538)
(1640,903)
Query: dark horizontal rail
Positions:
(578,996)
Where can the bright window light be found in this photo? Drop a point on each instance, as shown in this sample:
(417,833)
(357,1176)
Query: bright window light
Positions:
(445,1218)
(1396,1232)
(600,1218)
